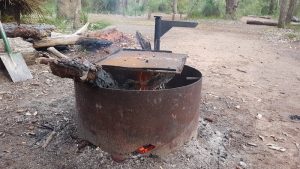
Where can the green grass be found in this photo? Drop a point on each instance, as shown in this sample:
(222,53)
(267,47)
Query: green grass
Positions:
(98,25)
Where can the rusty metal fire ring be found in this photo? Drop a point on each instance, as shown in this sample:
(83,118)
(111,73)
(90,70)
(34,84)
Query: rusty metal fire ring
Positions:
(121,122)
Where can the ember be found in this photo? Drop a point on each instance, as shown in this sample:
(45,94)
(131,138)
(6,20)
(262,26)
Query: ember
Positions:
(144,77)
(144,149)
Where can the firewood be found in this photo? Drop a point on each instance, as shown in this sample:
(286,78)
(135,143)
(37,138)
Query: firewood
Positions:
(57,53)
(71,40)
(82,72)
(28,31)
(55,41)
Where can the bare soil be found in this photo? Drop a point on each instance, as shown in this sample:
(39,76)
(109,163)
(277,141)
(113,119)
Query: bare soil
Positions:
(251,77)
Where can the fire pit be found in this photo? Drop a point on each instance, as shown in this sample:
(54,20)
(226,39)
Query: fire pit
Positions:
(132,122)
(136,102)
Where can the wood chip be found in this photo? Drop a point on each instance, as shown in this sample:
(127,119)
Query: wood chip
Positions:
(243,71)
(261,137)
(298,146)
(252,144)
(276,147)
(49,138)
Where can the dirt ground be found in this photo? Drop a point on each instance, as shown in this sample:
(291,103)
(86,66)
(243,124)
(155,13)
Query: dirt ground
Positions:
(251,77)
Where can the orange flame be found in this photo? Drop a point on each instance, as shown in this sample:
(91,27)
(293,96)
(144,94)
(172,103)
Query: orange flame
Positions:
(145,149)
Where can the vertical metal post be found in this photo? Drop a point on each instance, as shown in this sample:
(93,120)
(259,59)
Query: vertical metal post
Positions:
(157,33)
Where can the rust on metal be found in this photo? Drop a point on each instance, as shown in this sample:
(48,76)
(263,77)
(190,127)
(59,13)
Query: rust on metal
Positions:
(146,61)
(121,121)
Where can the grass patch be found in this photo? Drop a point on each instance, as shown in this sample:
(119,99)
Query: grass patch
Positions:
(98,25)
(296,28)
(296,34)
(291,36)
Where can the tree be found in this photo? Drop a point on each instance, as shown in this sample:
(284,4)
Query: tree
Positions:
(291,9)
(174,9)
(231,6)
(272,6)
(124,6)
(283,13)
(183,7)
(70,10)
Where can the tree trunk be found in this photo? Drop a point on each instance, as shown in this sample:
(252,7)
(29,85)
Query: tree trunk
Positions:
(291,9)
(77,14)
(272,6)
(174,9)
(283,13)
(231,6)
(70,10)
(124,7)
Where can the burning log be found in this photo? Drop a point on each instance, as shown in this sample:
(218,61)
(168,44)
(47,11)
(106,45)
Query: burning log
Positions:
(134,70)
(89,73)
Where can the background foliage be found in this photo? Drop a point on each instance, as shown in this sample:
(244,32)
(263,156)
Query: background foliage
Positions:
(193,8)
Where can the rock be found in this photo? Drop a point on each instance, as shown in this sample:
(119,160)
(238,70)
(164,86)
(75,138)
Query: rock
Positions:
(28,114)
(259,116)
(242,164)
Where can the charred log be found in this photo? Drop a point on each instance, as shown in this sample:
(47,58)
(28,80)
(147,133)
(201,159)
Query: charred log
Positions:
(144,43)
(83,72)
(92,44)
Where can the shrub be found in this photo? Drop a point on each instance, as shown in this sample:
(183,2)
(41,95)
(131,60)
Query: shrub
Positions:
(211,8)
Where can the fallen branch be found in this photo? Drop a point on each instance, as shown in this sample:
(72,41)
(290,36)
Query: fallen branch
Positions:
(264,17)
(55,41)
(61,39)
(243,71)
(256,22)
